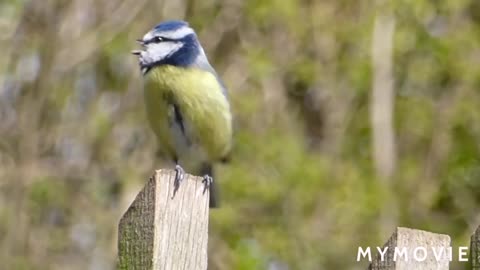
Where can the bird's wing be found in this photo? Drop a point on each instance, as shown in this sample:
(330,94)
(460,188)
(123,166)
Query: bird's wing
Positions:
(206,112)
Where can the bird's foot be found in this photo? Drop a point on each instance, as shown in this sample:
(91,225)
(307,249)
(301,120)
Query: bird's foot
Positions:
(179,176)
(207,181)
(179,173)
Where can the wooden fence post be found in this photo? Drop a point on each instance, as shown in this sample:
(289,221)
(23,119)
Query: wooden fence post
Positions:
(161,230)
(413,240)
(475,249)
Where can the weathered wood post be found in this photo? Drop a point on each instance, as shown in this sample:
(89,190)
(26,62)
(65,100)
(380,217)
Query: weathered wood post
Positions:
(423,251)
(163,230)
(475,249)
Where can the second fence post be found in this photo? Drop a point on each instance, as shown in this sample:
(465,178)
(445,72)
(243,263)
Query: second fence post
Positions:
(410,249)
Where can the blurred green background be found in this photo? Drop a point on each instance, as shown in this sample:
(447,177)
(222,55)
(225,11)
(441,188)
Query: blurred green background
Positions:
(351,118)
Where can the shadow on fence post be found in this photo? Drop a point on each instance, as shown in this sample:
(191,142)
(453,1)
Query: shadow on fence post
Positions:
(162,231)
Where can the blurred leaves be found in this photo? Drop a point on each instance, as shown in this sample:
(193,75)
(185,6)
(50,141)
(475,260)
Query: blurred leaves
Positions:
(301,191)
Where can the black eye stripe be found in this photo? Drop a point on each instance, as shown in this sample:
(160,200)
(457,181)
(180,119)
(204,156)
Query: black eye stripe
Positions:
(158,39)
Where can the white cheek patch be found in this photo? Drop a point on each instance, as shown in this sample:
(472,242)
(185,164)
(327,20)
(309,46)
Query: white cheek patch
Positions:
(158,51)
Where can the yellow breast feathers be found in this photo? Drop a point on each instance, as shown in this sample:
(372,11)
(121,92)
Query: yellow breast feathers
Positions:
(198,98)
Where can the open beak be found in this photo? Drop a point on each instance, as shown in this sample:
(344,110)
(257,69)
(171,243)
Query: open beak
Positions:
(138,52)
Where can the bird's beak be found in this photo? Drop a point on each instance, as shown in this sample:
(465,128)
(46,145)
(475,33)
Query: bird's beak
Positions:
(139,52)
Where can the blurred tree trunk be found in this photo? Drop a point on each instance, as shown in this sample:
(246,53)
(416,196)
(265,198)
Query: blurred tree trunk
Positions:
(381,114)
(382,98)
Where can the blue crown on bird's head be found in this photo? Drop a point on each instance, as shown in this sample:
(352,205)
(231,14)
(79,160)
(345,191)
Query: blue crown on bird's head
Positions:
(170,25)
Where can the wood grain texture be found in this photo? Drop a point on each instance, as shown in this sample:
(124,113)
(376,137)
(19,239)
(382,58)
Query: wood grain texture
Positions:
(411,239)
(163,230)
(475,249)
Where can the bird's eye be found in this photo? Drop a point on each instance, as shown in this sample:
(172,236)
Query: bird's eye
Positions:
(158,39)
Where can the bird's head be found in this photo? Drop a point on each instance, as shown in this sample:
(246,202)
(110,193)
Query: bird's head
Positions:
(168,43)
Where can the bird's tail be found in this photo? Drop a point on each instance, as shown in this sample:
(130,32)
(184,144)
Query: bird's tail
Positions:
(207,169)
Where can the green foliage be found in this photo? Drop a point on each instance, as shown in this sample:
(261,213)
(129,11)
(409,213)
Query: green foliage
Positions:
(301,190)
(248,256)
(46,196)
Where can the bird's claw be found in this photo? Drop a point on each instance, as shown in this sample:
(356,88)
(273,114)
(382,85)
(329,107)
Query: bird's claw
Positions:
(179,176)
(207,181)
(179,173)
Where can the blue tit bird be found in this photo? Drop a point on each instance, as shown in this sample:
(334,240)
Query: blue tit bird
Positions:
(186,101)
